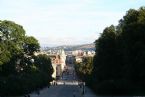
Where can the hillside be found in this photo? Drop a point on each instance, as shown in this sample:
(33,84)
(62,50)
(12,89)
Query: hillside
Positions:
(73,47)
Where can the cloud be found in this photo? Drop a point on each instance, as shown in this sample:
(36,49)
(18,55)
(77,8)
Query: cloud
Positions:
(56,22)
(51,41)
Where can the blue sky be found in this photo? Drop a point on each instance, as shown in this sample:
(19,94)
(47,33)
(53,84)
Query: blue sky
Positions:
(66,22)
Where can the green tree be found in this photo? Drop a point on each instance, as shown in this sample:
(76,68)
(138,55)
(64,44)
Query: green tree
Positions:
(44,64)
(12,35)
(11,40)
(119,60)
(31,45)
(4,54)
(105,65)
(19,67)
(132,42)
(84,69)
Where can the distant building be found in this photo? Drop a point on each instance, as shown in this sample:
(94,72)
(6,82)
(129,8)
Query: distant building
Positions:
(78,59)
(79,54)
(83,53)
(58,59)
(40,53)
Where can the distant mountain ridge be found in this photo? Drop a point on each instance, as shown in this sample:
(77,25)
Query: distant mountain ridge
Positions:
(73,47)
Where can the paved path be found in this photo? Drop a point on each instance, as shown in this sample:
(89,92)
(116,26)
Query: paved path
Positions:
(63,91)
(67,86)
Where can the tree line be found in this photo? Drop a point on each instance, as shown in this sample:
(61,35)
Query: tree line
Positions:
(21,72)
(84,69)
(119,63)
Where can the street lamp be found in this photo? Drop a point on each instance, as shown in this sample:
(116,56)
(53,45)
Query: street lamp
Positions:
(83,88)
(32,60)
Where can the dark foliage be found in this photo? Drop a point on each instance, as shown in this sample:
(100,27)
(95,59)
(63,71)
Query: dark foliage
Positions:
(119,63)
(20,71)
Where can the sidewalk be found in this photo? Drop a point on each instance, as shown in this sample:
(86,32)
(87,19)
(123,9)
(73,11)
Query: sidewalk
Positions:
(88,93)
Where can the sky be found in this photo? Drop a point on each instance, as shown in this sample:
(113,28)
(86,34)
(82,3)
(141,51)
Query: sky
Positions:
(66,22)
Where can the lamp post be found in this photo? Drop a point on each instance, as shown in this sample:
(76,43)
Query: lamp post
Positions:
(84,87)
(32,60)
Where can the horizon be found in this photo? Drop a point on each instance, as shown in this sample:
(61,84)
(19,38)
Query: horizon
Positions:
(66,22)
(51,46)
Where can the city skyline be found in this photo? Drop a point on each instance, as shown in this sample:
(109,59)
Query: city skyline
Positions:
(66,22)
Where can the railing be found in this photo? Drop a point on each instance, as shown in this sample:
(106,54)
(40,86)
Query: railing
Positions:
(59,82)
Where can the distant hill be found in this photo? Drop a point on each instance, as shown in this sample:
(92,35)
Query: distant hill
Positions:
(73,47)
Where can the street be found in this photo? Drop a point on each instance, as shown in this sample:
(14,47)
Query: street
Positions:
(67,86)
(63,91)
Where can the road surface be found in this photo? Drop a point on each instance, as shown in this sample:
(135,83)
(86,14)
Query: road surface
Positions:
(67,86)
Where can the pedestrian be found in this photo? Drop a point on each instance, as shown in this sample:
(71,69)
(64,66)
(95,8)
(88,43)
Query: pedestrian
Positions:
(37,92)
(53,83)
(74,94)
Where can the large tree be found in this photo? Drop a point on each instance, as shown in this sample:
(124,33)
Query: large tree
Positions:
(132,42)
(84,68)
(105,65)
(120,56)
(12,35)
(31,45)
(11,40)
(19,68)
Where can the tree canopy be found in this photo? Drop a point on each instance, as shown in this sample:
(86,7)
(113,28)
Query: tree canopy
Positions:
(19,68)
(119,62)
(31,45)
